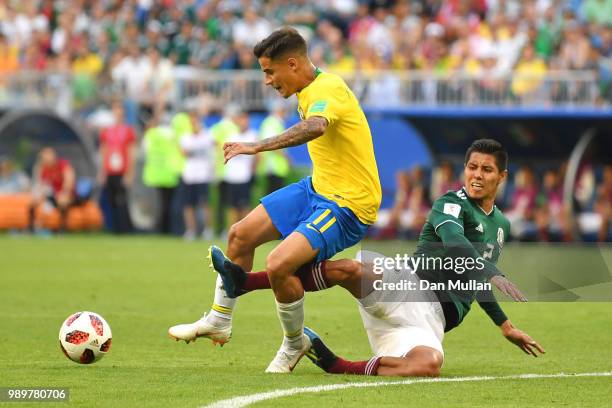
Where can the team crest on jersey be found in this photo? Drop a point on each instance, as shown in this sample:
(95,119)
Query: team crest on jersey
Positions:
(500,237)
(300,112)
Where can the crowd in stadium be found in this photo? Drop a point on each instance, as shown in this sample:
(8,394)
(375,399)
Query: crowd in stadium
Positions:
(138,44)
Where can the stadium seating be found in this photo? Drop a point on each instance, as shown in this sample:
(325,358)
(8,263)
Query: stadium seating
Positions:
(16,214)
(15,211)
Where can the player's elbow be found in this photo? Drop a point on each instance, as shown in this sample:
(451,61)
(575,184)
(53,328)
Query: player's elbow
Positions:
(321,128)
(317,125)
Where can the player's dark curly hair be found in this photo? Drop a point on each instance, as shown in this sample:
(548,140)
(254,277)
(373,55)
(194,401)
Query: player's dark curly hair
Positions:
(279,43)
(492,147)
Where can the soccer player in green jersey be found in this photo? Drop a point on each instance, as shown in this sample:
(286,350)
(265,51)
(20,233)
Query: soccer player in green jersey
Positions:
(405,328)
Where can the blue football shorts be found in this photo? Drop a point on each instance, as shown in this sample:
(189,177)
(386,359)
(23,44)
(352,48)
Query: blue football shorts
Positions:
(327,226)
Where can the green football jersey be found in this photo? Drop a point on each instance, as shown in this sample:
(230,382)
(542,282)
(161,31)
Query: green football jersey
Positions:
(486,232)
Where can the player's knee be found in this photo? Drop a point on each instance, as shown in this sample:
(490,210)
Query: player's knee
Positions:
(421,369)
(422,362)
(239,236)
(431,368)
(276,267)
(431,363)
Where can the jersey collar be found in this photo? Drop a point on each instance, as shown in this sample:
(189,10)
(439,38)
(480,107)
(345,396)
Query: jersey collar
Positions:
(487,213)
(481,209)
(317,72)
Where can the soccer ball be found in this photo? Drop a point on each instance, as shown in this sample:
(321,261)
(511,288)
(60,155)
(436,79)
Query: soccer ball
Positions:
(85,337)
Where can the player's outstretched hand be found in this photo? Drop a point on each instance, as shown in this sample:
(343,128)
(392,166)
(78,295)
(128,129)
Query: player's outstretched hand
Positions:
(508,288)
(521,339)
(231,149)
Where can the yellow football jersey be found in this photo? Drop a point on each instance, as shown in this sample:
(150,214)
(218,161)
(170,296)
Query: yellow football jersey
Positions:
(343,163)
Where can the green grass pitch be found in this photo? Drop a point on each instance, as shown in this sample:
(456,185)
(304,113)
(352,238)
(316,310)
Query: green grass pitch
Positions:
(142,285)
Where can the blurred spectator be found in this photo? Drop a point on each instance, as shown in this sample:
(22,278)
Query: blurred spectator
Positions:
(225,23)
(384,90)
(131,72)
(182,126)
(548,34)
(222,132)
(239,171)
(521,212)
(160,169)
(509,39)
(491,87)
(603,203)
(575,47)
(585,187)
(159,82)
(198,173)
(54,186)
(86,62)
(552,216)
(529,74)
(182,45)
(12,180)
(274,164)
(598,11)
(410,206)
(250,29)
(86,66)
(117,153)
(61,33)
(209,53)
(443,180)
(301,14)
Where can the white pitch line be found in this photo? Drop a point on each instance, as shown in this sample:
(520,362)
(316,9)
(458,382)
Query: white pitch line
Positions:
(246,400)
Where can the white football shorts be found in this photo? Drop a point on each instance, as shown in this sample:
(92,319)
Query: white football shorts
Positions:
(397,321)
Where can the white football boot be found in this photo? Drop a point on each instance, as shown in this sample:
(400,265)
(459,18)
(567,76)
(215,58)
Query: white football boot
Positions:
(201,328)
(287,358)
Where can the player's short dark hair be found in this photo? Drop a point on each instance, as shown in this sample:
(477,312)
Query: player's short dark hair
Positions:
(281,42)
(492,147)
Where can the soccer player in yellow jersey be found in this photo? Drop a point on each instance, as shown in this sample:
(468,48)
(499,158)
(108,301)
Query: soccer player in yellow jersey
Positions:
(315,218)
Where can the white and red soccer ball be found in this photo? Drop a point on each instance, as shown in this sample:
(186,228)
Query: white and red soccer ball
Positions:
(85,337)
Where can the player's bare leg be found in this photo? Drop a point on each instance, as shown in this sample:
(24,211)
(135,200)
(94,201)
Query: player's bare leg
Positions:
(249,233)
(281,266)
(246,235)
(352,275)
(421,361)
(282,263)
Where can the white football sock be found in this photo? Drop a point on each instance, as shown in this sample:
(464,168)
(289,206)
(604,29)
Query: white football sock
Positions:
(291,316)
(222,308)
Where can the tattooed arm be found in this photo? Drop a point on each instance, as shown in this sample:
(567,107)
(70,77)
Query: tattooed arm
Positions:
(298,134)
